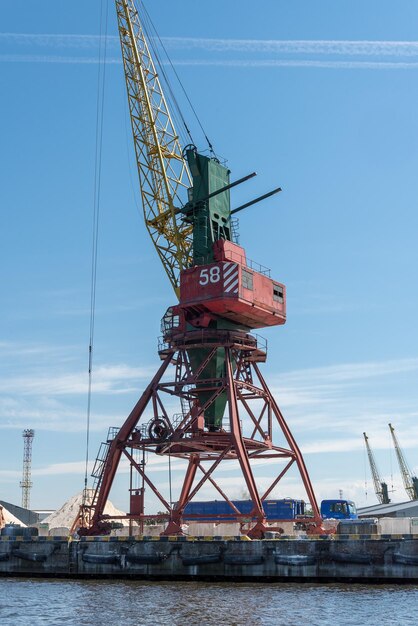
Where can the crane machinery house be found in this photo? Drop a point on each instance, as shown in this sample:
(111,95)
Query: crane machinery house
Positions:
(221,282)
(230,289)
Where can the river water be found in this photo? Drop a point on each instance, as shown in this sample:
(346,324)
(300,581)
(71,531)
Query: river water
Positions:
(93,603)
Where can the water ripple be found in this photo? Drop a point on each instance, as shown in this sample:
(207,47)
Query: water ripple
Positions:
(109,603)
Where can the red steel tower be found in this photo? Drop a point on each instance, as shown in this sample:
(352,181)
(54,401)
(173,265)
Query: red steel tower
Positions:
(210,357)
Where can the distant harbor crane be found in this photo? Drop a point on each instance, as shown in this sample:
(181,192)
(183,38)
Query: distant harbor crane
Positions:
(410,482)
(380,487)
(26,483)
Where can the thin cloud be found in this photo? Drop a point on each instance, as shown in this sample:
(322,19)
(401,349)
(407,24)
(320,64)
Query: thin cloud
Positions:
(107,379)
(302,46)
(348,398)
(20,58)
(347,65)
(399,51)
(267,63)
(50,416)
(56,40)
(353,371)
(20,350)
(296,46)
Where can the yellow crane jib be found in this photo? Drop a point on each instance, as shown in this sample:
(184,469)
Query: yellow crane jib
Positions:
(163,173)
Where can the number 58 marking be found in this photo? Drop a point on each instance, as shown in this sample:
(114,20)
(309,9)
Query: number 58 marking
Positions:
(212,275)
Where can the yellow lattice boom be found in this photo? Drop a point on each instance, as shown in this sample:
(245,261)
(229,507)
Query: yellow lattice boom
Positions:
(163,173)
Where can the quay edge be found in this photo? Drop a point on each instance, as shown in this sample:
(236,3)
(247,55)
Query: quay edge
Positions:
(343,558)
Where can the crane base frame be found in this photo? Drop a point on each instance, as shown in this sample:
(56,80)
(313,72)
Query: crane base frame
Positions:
(249,403)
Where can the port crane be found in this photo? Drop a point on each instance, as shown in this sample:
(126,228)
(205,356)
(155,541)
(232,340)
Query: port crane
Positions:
(380,487)
(210,356)
(409,480)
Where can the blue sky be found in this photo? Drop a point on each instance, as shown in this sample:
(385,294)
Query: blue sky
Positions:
(319,98)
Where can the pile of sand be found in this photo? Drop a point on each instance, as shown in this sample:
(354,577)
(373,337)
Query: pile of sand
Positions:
(65,516)
(9,518)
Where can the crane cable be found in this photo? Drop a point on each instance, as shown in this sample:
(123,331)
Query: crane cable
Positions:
(101,81)
(150,39)
(175,108)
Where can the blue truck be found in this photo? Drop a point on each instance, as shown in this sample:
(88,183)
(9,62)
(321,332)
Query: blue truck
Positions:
(338,509)
(285,509)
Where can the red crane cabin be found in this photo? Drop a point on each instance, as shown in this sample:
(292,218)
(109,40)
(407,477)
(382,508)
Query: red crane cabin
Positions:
(228,288)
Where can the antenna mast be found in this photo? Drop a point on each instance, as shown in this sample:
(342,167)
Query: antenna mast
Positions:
(26,482)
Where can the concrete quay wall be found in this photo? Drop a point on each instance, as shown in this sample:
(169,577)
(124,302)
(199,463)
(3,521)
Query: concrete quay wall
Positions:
(379,559)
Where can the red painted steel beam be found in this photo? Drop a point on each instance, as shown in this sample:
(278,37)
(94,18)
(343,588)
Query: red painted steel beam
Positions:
(147,480)
(188,482)
(174,524)
(293,445)
(207,474)
(215,484)
(115,449)
(279,477)
(237,439)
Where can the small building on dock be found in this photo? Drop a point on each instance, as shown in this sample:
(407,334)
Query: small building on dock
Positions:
(393,509)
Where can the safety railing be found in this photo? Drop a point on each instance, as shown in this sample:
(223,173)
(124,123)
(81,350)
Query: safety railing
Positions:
(241,259)
(246,341)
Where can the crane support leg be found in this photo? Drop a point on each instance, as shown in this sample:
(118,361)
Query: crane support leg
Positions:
(249,419)
(294,447)
(174,524)
(117,445)
(236,435)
